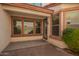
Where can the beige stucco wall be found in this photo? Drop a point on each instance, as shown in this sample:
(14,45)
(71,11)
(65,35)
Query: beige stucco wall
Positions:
(27,38)
(57,43)
(5,31)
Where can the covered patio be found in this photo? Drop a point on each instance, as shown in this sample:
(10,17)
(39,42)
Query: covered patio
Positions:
(20,17)
(30,30)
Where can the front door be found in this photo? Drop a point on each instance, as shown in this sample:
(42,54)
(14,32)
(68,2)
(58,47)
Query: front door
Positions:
(45,28)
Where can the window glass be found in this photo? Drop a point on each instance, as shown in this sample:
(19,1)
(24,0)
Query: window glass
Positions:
(24,26)
(28,26)
(38,25)
(17,25)
(55,24)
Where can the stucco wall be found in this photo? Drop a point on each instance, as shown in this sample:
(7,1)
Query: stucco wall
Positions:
(57,43)
(27,38)
(5,31)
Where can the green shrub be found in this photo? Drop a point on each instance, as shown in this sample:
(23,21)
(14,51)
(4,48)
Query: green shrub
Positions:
(71,38)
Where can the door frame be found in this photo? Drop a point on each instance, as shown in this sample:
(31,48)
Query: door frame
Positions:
(45,33)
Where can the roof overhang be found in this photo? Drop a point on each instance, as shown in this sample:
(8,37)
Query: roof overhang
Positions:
(19,9)
(30,7)
(30,16)
(51,5)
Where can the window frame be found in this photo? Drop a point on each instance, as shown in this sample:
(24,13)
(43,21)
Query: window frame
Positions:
(54,36)
(55,24)
(22,32)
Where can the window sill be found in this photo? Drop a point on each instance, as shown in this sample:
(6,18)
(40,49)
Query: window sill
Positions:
(56,37)
(26,35)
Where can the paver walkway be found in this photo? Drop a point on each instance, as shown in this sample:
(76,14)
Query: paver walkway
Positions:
(45,49)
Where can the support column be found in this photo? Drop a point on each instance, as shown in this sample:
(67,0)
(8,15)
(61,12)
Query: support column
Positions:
(49,26)
(61,23)
(34,30)
(22,26)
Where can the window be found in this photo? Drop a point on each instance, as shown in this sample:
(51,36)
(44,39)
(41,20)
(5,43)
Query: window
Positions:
(22,26)
(72,19)
(17,25)
(55,24)
(28,26)
(38,26)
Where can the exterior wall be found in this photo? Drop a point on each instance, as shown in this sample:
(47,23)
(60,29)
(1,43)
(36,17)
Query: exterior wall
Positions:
(55,42)
(28,38)
(5,31)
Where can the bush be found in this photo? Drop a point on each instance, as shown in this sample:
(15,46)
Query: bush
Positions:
(71,38)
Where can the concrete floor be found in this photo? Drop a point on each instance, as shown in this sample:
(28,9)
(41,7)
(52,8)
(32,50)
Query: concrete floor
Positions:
(33,49)
(24,44)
